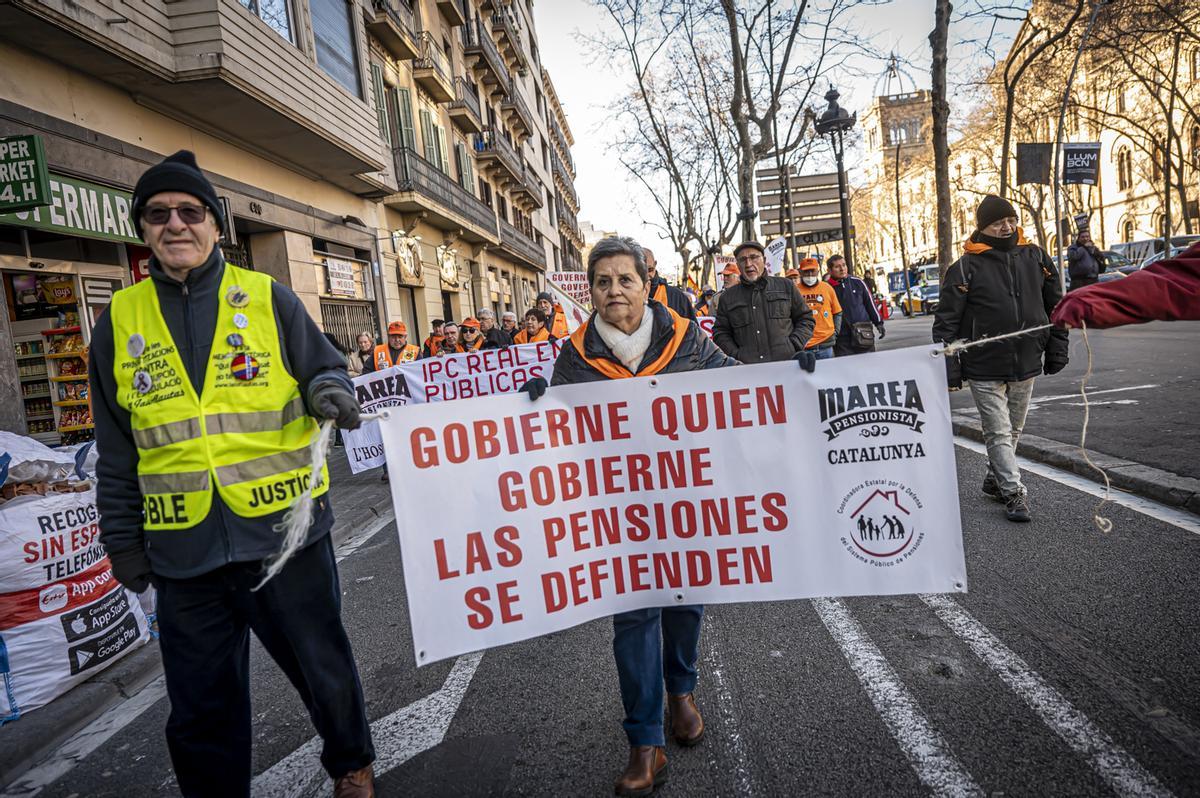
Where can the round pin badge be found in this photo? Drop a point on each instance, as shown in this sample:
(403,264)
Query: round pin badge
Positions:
(236,297)
(234,339)
(143,382)
(244,367)
(240,321)
(135,345)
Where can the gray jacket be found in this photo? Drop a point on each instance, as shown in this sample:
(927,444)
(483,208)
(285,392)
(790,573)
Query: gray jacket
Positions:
(762,321)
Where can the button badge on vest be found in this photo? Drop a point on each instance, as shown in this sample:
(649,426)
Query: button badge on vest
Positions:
(236,297)
(240,321)
(235,340)
(143,382)
(135,345)
(244,367)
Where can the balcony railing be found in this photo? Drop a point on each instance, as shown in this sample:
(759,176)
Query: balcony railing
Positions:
(490,144)
(464,108)
(395,27)
(521,245)
(567,219)
(431,69)
(455,11)
(478,43)
(531,187)
(565,182)
(504,23)
(414,173)
(515,104)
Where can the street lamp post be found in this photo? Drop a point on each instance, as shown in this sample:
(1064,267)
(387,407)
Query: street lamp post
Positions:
(834,123)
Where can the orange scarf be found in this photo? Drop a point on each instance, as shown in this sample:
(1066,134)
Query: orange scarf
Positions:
(617,371)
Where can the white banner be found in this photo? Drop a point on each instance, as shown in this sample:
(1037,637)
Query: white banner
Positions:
(576,313)
(706,323)
(574,284)
(775,251)
(63,616)
(439,379)
(751,483)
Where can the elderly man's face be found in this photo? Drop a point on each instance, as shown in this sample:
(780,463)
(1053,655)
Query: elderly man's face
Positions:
(486,323)
(397,341)
(1001,228)
(619,293)
(837,269)
(179,246)
(545,307)
(508,323)
(730,279)
(651,263)
(451,333)
(750,264)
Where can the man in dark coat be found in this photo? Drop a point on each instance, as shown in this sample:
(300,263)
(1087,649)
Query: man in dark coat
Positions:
(1002,284)
(1085,263)
(858,307)
(665,294)
(762,318)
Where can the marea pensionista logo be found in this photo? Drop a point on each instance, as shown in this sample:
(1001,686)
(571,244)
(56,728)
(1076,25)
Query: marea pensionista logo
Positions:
(882,523)
(872,411)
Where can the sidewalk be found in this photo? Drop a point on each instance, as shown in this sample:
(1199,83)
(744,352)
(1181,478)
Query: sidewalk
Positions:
(357,500)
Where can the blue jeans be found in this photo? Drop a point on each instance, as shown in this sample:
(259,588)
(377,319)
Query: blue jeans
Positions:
(824,352)
(650,646)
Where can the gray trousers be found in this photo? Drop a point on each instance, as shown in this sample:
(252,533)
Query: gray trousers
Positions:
(1002,409)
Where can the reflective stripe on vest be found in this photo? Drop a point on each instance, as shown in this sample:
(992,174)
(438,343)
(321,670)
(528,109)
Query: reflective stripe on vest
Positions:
(246,434)
(617,371)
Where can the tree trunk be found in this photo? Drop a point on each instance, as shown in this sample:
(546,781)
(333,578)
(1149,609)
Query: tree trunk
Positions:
(941,145)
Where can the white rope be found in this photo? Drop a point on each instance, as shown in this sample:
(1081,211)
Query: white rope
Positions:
(955,347)
(299,516)
(1102,523)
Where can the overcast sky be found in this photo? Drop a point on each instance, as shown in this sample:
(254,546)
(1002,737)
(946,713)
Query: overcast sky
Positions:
(610,199)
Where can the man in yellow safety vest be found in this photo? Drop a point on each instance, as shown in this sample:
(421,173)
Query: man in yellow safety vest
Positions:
(207,381)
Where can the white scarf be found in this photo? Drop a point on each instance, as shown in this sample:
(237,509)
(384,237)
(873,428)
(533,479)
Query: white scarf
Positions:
(629,349)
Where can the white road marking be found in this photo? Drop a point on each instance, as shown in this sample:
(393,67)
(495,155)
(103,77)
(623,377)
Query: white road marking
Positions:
(1110,761)
(1040,400)
(1169,515)
(928,753)
(100,730)
(398,737)
(732,732)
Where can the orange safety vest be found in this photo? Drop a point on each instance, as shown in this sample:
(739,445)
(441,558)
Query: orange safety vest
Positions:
(617,371)
(558,324)
(523,336)
(478,345)
(431,343)
(383,355)
(660,294)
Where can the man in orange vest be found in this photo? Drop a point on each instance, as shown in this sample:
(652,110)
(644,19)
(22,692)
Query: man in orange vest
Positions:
(396,350)
(430,347)
(823,301)
(668,295)
(556,319)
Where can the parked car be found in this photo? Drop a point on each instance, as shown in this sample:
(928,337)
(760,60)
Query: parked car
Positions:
(924,300)
(1138,251)
(1155,258)
(1118,262)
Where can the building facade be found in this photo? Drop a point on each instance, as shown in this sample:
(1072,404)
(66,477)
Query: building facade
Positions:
(386,160)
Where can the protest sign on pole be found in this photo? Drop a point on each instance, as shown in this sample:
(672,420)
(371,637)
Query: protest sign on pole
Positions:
(439,379)
(576,313)
(574,285)
(751,483)
(775,251)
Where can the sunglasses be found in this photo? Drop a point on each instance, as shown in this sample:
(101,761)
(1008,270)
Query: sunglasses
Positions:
(161,214)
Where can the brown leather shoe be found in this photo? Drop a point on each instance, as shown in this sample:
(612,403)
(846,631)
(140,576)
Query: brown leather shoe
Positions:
(647,769)
(356,784)
(687,727)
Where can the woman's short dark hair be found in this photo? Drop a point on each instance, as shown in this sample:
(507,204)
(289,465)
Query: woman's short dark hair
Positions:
(617,245)
(536,313)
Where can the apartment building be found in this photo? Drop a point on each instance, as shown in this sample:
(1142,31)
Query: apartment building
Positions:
(386,159)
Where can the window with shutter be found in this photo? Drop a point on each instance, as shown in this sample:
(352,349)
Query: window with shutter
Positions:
(334,37)
(466,173)
(443,154)
(381,105)
(401,105)
(428,139)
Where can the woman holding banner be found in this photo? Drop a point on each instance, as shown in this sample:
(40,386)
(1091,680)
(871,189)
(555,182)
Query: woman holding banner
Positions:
(631,335)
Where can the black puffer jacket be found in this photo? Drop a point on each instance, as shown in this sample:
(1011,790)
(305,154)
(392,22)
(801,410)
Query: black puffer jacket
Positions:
(696,351)
(763,321)
(992,292)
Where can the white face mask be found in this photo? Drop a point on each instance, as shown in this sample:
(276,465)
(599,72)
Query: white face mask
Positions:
(810,281)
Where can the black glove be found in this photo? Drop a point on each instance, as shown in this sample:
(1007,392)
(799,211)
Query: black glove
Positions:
(536,388)
(331,400)
(953,373)
(879,329)
(1055,364)
(807,360)
(132,569)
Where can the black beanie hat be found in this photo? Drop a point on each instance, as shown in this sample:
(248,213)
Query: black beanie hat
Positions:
(546,296)
(993,209)
(176,173)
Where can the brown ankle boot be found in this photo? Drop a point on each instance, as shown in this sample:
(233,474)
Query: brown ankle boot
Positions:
(356,784)
(687,727)
(647,769)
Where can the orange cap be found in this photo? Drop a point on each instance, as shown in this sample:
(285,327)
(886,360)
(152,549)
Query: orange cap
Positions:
(791,273)
(730,269)
(397,328)
(810,263)
(469,321)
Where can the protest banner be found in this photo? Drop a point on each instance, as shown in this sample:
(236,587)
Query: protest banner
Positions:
(706,323)
(574,285)
(750,483)
(576,314)
(439,379)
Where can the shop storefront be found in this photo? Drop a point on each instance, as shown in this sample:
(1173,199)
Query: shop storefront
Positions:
(60,264)
(347,291)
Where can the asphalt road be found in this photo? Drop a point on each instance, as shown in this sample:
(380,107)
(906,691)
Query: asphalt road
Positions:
(1142,392)
(1068,669)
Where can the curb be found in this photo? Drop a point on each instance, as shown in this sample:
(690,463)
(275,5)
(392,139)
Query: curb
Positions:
(1152,483)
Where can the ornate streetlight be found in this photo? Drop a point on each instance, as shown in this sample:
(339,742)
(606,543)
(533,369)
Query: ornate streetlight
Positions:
(834,123)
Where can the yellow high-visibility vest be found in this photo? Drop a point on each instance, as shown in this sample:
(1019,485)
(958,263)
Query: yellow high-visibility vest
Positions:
(247,433)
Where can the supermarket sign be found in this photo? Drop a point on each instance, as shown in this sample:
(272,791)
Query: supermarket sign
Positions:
(24,180)
(77,207)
